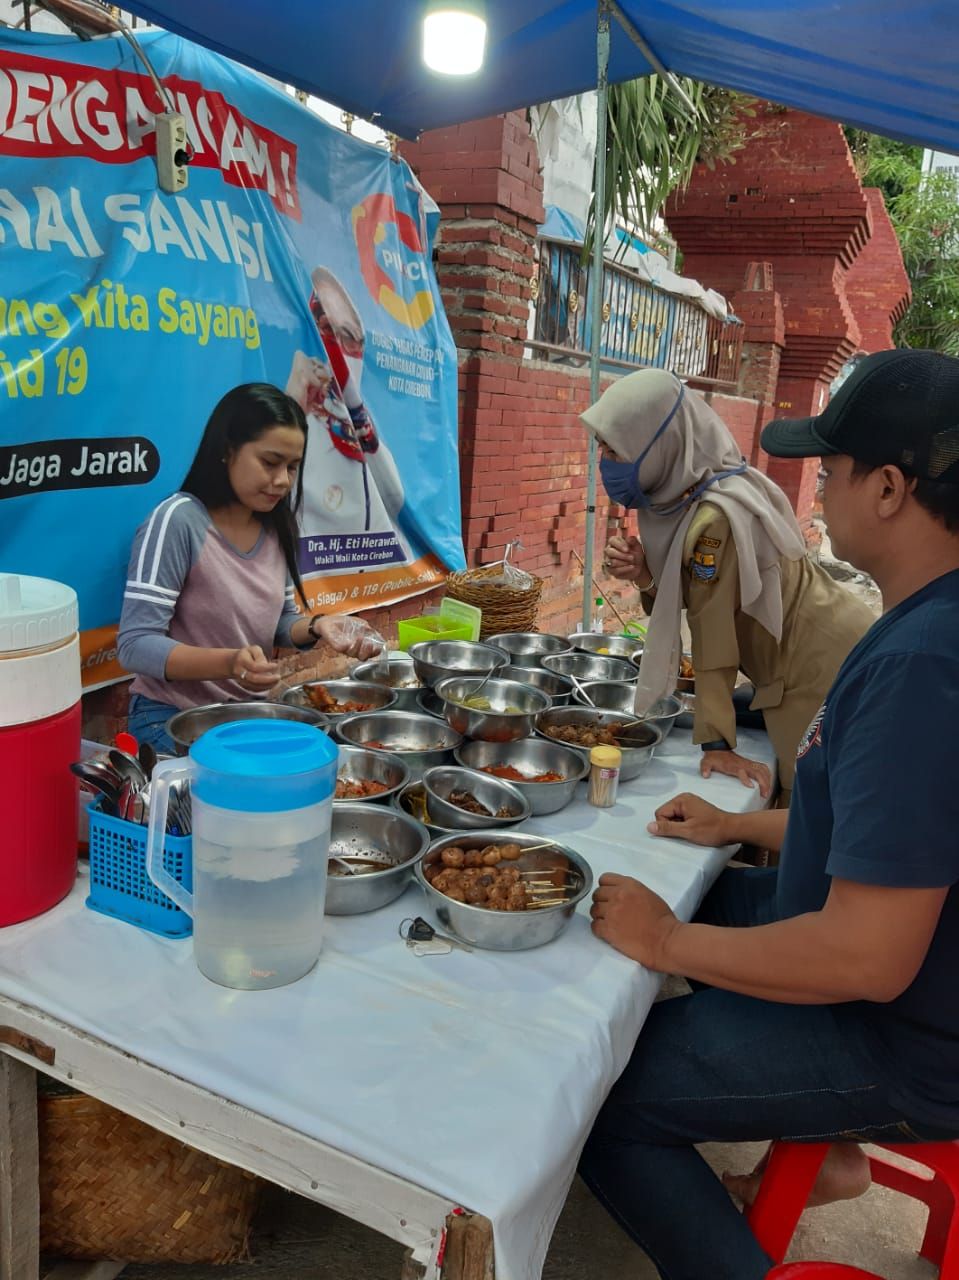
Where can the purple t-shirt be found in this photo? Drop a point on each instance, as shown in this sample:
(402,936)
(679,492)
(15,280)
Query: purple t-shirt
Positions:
(187,584)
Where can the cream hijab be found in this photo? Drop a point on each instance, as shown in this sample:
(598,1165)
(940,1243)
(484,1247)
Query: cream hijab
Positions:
(695,446)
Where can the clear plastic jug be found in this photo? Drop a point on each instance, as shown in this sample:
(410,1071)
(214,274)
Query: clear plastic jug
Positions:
(262,802)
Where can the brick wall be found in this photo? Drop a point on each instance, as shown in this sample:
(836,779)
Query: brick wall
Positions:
(876,284)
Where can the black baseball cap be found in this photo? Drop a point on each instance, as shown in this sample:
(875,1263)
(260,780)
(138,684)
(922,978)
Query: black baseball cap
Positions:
(899,407)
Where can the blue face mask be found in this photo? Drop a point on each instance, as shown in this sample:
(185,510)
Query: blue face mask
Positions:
(621,479)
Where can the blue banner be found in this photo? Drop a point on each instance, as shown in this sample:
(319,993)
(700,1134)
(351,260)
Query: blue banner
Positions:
(296,255)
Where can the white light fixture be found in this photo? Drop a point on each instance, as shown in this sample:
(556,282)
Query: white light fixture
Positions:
(454,36)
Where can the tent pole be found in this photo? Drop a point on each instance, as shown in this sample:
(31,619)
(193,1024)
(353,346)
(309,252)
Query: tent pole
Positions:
(596,291)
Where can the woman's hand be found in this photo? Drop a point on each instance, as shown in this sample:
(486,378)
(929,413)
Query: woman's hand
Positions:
(349,635)
(689,817)
(749,772)
(308,383)
(252,668)
(624,558)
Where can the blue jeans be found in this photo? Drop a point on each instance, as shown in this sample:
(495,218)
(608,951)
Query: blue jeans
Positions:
(147,721)
(719,1067)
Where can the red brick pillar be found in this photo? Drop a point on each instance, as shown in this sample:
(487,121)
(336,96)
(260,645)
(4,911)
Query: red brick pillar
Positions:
(760,308)
(876,284)
(485,176)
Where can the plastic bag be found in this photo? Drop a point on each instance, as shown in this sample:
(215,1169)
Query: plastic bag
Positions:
(515,579)
(351,636)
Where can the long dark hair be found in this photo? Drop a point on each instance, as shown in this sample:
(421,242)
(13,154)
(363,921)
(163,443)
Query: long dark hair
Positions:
(244,414)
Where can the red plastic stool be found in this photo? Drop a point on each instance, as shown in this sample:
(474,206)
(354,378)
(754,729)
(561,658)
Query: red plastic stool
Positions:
(819,1271)
(791,1171)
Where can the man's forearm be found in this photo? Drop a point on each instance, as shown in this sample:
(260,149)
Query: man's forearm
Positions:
(765,828)
(795,961)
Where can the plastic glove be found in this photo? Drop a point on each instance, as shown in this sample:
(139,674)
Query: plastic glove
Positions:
(349,635)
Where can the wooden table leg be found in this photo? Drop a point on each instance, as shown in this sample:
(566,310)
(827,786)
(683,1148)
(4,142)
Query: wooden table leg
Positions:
(19,1172)
(469,1247)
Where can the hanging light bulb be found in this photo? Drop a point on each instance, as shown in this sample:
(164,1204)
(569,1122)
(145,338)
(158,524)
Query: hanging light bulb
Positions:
(454,36)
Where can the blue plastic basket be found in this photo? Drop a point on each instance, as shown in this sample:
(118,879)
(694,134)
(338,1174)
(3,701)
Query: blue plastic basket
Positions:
(119,884)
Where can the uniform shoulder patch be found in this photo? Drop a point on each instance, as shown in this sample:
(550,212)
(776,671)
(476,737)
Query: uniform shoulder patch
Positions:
(703,565)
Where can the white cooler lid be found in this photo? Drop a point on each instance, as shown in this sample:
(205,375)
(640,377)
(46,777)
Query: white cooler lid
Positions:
(35,612)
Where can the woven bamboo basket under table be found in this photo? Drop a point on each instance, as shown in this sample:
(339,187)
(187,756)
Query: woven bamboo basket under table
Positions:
(504,608)
(112,1188)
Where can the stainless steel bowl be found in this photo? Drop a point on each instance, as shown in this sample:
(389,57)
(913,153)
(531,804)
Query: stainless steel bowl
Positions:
(532,756)
(377,697)
(360,764)
(610,695)
(422,741)
(411,801)
(558,687)
(637,743)
(589,666)
(402,679)
(429,701)
(361,830)
(527,648)
(507,930)
(436,660)
(602,645)
(494,793)
(685,718)
(499,724)
(186,726)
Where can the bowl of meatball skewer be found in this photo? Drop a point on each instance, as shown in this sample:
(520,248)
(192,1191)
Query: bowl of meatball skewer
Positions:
(503,890)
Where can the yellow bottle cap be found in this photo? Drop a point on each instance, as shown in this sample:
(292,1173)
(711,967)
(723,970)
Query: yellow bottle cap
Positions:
(606,757)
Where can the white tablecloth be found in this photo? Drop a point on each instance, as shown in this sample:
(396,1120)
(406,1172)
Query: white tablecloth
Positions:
(475,1075)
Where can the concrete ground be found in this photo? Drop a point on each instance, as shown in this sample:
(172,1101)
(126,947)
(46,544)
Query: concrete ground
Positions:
(298,1240)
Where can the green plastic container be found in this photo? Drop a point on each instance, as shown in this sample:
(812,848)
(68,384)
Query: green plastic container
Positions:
(431,626)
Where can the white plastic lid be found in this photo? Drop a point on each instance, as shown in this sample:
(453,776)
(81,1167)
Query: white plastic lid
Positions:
(35,612)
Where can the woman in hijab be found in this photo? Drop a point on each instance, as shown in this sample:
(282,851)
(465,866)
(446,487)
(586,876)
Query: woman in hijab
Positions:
(719,539)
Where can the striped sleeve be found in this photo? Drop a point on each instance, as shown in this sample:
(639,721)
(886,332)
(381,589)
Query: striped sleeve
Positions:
(290,614)
(164,550)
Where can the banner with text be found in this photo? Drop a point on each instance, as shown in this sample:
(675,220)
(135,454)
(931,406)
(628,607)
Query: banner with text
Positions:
(296,255)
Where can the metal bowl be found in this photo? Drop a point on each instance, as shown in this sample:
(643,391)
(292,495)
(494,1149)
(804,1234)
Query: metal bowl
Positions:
(436,660)
(498,724)
(506,930)
(422,741)
(532,756)
(685,718)
(411,801)
(558,687)
(362,829)
(186,726)
(492,792)
(402,679)
(377,697)
(602,645)
(360,764)
(637,743)
(610,695)
(527,648)
(429,701)
(588,666)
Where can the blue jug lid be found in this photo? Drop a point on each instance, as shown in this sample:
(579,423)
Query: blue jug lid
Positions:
(264,766)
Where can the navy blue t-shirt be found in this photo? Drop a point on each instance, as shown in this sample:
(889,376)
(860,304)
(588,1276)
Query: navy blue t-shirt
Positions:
(876,801)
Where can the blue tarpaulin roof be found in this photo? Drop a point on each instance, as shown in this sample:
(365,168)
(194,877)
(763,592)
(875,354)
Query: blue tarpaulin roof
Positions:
(891,66)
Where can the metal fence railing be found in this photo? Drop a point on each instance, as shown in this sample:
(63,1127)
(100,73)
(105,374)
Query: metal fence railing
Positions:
(642,324)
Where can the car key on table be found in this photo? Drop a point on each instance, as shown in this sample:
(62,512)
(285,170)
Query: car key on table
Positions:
(423,940)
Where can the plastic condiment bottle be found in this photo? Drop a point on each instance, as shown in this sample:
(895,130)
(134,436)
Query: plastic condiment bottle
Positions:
(604,763)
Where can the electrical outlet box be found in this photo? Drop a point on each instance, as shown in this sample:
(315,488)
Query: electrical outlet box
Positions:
(172,151)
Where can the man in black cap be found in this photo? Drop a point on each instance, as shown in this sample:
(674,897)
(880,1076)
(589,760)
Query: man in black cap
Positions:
(825,1005)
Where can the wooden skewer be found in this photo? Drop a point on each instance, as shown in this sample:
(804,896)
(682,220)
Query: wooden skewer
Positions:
(558,902)
(601,590)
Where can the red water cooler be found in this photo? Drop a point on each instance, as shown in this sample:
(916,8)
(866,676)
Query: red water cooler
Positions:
(39,739)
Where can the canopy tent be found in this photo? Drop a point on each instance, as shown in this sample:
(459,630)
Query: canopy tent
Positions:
(886,65)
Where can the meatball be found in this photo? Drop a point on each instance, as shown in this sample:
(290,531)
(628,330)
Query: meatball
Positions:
(475,894)
(456,893)
(508,875)
(497,900)
(453,856)
(474,858)
(491,855)
(510,851)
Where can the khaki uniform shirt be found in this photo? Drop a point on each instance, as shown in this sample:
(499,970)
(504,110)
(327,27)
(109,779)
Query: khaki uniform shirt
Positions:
(822,621)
